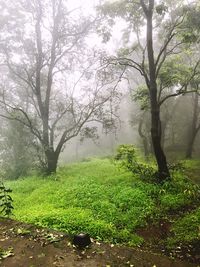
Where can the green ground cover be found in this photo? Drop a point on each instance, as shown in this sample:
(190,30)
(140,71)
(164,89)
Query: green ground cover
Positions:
(100,198)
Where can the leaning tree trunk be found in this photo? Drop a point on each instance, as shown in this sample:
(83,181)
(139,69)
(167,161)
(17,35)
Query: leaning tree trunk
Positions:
(163,171)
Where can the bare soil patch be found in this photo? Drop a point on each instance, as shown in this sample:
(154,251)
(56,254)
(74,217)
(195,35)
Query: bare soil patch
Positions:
(31,246)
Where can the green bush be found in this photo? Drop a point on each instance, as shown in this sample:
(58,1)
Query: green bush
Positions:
(180,191)
(126,155)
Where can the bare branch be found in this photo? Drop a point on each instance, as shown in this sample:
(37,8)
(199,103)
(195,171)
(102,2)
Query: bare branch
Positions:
(27,123)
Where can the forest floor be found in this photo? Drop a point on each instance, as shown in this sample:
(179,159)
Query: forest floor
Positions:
(25,245)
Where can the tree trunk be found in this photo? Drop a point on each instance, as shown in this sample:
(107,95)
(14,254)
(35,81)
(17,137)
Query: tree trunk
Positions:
(163,171)
(194,128)
(144,138)
(52,161)
(190,147)
(163,134)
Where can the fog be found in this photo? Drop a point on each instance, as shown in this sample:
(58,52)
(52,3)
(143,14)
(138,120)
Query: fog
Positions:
(79,81)
(100,132)
(107,143)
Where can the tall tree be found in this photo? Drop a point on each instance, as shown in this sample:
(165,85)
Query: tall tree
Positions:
(195,124)
(150,60)
(52,81)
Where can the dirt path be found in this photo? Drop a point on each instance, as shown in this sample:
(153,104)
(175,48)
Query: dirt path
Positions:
(34,247)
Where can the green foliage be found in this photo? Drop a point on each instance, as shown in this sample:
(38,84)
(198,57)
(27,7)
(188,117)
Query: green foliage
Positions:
(161,9)
(186,229)
(191,26)
(178,193)
(6,200)
(177,166)
(172,202)
(80,197)
(126,154)
(96,197)
(174,72)
(128,10)
(142,96)
(191,164)
(6,253)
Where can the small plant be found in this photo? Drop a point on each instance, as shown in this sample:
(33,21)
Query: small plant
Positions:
(6,200)
(6,253)
(126,154)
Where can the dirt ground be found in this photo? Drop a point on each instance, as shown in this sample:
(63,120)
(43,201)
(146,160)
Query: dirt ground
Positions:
(29,246)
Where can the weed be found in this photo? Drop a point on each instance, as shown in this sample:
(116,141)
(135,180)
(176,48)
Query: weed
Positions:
(6,201)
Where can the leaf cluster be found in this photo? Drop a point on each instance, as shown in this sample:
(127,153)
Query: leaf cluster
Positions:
(6,201)
(89,133)
(174,72)
(141,95)
(191,26)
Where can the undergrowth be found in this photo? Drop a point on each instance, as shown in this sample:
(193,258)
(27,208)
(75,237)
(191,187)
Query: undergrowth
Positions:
(186,229)
(98,197)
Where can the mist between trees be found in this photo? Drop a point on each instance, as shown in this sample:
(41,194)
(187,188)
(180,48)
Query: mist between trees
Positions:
(73,87)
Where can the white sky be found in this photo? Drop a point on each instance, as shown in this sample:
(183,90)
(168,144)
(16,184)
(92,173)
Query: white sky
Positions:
(86,5)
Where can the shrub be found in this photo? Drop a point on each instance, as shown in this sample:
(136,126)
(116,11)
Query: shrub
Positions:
(181,185)
(6,200)
(126,154)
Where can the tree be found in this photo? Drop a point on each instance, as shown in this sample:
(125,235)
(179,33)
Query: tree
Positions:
(151,61)
(19,150)
(195,124)
(193,34)
(52,80)
(143,135)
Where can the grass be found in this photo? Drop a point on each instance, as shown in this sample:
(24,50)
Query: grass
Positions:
(99,198)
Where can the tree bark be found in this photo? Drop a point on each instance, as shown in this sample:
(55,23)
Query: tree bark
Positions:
(52,161)
(164,126)
(163,171)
